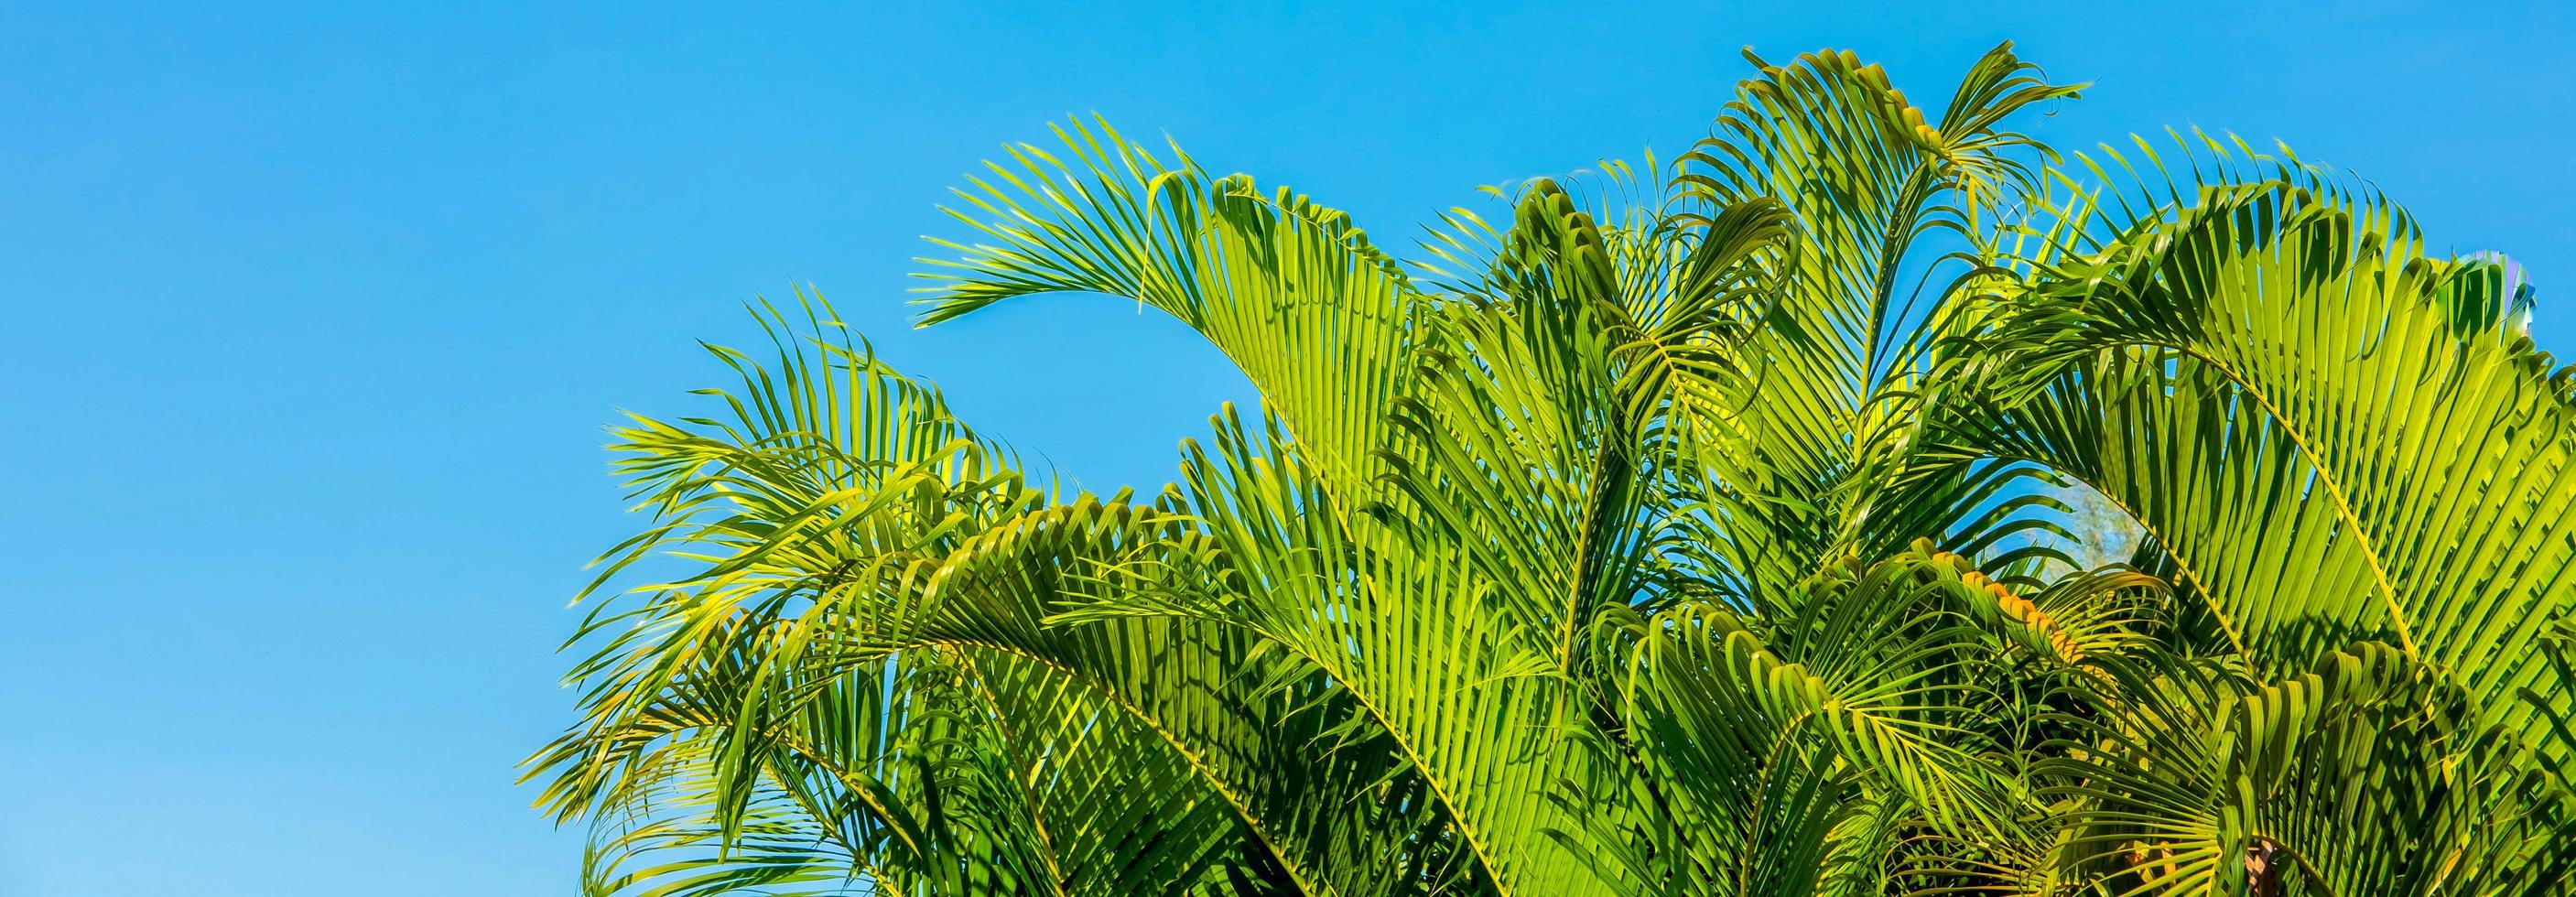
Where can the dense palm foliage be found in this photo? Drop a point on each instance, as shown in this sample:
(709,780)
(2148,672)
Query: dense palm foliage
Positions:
(1708,527)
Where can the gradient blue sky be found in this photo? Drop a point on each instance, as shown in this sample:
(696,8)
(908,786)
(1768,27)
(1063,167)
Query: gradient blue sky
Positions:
(313,317)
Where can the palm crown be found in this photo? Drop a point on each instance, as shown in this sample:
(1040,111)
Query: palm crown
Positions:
(1704,528)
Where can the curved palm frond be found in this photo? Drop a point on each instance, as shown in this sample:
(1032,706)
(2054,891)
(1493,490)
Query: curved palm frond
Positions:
(2337,437)
(1319,319)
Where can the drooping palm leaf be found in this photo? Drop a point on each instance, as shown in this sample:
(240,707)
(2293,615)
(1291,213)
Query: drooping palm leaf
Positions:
(2337,437)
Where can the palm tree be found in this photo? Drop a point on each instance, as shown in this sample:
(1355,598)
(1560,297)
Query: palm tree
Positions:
(1702,529)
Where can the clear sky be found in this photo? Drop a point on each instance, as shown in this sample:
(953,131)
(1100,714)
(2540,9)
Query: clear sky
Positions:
(312,318)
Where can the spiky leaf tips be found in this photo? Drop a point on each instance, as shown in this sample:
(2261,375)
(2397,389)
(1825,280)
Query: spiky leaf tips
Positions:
(1703,527)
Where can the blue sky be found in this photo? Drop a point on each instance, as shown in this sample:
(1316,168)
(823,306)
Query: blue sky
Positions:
(314,316)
